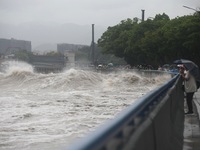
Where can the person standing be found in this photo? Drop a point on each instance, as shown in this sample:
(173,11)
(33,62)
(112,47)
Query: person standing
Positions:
(190,87)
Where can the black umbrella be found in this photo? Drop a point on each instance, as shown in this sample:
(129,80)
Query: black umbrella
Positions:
(191,66)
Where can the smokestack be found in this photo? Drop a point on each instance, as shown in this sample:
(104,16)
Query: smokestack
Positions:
(93,43)
(143,15)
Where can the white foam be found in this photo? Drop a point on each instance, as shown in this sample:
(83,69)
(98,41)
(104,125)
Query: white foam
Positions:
(48,111)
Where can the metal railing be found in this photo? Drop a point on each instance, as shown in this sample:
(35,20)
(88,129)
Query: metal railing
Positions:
(154,122)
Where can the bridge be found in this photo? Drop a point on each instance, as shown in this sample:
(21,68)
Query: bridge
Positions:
(46,64)
(155,122)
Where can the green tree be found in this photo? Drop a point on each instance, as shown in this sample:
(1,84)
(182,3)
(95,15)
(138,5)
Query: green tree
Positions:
(53,53)
(115,39)
(155,41)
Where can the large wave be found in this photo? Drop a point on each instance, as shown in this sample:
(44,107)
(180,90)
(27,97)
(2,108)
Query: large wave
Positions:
(22,75)
(10,67)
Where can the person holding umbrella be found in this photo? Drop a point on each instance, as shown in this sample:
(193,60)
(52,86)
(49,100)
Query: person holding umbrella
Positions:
(190,86)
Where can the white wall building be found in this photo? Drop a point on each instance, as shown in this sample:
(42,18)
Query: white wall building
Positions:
(71,58)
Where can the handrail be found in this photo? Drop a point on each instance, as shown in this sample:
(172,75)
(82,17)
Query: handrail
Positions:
(131,117)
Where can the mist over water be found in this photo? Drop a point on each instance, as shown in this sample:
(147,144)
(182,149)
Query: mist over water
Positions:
(49,111)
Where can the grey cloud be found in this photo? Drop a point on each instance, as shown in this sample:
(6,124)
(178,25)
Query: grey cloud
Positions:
(47,21)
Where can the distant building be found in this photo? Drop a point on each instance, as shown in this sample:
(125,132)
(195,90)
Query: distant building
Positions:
(68,47)
(9,46)
(70,57)
(68,50)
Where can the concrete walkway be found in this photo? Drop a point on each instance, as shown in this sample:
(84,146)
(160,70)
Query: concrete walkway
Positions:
(192,126)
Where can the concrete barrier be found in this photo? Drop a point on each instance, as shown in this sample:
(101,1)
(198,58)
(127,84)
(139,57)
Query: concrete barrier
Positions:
(155,122)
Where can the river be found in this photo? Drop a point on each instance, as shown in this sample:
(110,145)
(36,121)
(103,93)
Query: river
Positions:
(49,111)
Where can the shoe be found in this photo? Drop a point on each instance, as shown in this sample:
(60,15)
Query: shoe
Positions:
(189,112)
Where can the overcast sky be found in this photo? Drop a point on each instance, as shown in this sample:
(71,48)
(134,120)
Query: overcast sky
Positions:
(86,12)
(102,12)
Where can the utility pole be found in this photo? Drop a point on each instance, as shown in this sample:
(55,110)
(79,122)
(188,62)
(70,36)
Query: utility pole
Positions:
(143,14)
(93,60)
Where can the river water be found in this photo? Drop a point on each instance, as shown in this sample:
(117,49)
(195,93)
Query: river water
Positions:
(49,111)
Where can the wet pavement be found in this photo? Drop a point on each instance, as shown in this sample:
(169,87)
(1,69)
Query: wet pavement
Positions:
(192,126)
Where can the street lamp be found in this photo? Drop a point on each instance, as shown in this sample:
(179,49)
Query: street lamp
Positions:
(191,9)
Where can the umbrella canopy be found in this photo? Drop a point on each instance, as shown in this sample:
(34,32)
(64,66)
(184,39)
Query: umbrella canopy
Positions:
(188,63)
(191,66)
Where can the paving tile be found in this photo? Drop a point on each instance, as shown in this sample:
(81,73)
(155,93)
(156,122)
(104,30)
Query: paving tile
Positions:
(192,126)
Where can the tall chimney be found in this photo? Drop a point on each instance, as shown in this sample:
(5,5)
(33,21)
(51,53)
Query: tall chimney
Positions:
(143,15)
(93,44)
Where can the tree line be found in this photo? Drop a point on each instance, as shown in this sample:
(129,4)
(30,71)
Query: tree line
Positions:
(155,41)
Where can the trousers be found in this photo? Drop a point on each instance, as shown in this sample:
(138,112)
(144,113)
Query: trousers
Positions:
(189,97)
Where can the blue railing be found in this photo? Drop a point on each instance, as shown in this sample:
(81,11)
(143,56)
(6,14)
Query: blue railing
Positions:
(116,133)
